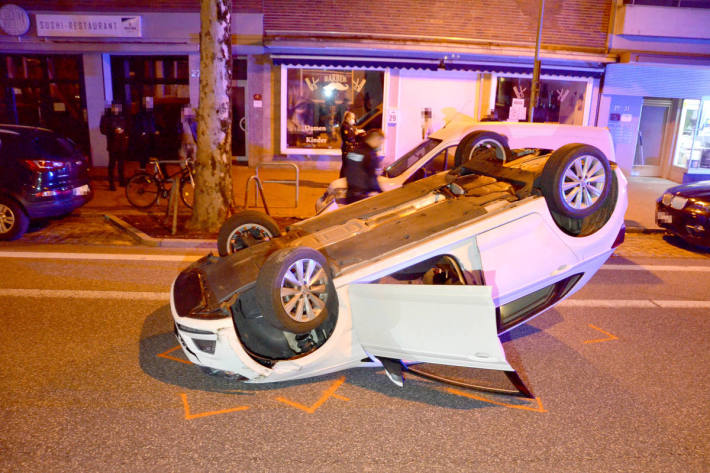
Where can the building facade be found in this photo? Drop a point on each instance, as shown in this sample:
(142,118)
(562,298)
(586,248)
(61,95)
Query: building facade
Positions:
(405,66)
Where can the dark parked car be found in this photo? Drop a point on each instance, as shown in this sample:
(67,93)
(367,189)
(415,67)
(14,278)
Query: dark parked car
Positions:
(42,174)
(685,211)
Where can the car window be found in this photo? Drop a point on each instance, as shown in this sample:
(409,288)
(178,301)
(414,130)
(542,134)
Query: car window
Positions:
(443,161)
(408,159)
(48,145)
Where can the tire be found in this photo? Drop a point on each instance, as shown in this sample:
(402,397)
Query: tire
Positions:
(187,192)
(142,190)
(231,236)
(481,139)
(279,289)
(576,181)
(581,227)
(13,219)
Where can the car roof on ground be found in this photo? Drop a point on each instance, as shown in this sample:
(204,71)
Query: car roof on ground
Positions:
(530,135)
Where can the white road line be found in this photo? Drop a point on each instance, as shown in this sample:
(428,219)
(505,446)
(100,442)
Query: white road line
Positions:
(165,296)
(99,256)
(653,267)
(70,294)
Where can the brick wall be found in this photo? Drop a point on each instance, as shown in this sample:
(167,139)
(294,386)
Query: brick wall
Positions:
(575,23)
(578,23)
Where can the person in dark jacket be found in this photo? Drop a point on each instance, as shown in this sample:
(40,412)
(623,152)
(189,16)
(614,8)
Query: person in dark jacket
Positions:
(144,132)
(113,125)
(348,135)
(361,169)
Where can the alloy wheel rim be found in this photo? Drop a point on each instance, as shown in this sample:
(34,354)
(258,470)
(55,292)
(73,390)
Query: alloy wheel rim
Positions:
(262,234)
(583,182)
(304,290)
(7,218)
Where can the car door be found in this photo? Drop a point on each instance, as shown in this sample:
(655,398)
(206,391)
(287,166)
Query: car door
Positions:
(521,261)
(444,324)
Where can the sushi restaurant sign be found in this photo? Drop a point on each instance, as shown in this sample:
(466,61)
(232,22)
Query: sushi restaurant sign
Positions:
(107,26)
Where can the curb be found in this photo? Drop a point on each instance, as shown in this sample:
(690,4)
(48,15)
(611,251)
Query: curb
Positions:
(147,240)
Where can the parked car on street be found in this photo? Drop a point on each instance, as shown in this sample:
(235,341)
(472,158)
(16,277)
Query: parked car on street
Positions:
(452,144)
(42,174)
(431,272)
(684,211)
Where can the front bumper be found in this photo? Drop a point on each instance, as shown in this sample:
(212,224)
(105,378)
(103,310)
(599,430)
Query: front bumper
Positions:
(691,226)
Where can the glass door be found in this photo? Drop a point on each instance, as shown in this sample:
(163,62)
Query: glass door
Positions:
(239,117)
(656,115)
(692,150)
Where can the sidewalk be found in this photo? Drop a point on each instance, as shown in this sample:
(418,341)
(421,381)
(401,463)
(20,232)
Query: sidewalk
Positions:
(643,192)
(280,198)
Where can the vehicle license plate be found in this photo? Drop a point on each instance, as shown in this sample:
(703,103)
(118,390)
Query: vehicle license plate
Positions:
(664,217)
(82,190)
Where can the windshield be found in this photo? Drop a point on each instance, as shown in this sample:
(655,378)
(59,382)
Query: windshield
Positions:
(408,160)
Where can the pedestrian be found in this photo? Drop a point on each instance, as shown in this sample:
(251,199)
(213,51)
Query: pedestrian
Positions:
(361,170)
(144,132)
(113,125)
(188,134)
(348,136)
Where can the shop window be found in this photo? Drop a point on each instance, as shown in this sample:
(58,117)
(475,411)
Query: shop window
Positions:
(46,91)
(313,102)
(167,80)
(693,143)
(559,100)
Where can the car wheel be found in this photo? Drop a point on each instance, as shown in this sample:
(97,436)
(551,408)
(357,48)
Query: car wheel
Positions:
(478,140)
(294,289)
(13,220)
(244,229)
(581,227)
(576,180)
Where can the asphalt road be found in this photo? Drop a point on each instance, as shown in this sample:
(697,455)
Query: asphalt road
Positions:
(91,382)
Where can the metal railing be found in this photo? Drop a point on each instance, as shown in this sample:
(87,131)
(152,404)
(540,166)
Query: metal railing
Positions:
(259,188)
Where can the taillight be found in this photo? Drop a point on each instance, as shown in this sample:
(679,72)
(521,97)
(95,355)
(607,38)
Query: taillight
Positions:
(42,165)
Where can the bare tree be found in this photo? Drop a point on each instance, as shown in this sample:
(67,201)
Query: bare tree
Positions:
(214,200)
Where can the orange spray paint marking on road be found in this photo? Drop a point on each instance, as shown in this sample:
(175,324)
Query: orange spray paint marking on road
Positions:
(167,355)
(190,416)
(609,338)
(328,393)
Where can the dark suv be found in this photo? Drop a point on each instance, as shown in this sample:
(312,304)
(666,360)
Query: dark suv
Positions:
(42,174)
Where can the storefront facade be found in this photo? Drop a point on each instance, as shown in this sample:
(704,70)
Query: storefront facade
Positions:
(290,89)
(656,100)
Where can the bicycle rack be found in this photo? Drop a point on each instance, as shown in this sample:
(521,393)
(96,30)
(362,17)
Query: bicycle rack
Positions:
(259,189)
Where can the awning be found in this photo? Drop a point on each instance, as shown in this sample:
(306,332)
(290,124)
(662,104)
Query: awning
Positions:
(517,68)
(375,62)
(354,62)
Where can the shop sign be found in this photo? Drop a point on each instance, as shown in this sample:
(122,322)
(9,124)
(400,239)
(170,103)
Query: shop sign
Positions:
(517,111)
(14,20)
(107,26)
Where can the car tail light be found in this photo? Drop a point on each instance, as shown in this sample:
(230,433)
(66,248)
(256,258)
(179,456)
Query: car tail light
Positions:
(620,237)
(41,165)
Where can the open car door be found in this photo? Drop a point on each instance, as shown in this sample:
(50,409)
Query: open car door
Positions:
(442,324)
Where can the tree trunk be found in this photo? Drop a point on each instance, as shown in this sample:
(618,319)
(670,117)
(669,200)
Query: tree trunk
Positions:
(213,169)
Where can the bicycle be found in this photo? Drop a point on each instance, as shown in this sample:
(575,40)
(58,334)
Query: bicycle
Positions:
(145,188)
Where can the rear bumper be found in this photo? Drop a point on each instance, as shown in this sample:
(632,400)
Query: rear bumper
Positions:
(56,206)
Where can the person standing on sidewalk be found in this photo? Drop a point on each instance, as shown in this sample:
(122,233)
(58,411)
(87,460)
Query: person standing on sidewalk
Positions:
(144,132)
(188,134)
(113,125)
(348,135)
(361,170)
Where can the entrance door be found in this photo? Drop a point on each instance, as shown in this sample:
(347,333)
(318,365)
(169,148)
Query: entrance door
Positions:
(651,147)
(239,117)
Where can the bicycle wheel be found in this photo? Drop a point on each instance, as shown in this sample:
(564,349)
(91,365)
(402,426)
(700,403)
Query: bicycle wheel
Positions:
(142,190)
(187,191)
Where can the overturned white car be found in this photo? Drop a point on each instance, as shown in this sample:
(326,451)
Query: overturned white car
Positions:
(431,272)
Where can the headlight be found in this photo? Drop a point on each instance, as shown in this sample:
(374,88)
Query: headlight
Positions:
(667,197)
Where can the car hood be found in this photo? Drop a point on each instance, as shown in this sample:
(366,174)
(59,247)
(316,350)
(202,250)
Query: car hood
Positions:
(697,190)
